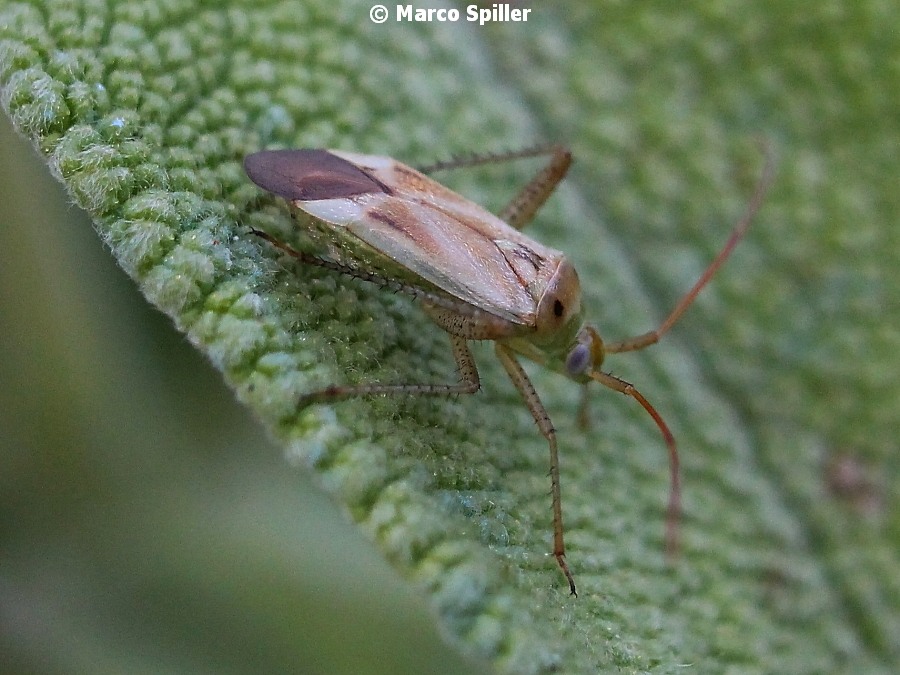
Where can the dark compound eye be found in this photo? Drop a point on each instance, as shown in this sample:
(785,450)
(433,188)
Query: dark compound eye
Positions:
(558,308)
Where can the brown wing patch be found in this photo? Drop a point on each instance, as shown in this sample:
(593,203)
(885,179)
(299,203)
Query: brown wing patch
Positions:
(309,175)
(400,218)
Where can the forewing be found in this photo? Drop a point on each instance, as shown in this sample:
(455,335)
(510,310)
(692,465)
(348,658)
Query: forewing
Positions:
(431,231)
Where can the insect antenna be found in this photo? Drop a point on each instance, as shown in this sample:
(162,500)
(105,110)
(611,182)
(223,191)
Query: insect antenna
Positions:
(673,510)
(737,233)
(652,337)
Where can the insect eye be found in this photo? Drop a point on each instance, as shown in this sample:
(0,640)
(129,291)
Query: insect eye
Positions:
(578,359)
(558,308)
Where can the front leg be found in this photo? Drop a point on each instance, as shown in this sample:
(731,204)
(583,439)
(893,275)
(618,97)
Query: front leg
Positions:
(520,378)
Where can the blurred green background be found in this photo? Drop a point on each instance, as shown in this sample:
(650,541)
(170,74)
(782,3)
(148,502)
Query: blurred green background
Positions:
(146,523)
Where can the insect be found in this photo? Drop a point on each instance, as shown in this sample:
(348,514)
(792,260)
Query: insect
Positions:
(475,274)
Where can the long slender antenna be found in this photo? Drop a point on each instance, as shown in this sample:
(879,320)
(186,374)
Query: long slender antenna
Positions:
(740,229)
(673,511)
(652,337)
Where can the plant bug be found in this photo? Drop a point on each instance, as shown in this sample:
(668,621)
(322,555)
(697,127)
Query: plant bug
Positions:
(475,274)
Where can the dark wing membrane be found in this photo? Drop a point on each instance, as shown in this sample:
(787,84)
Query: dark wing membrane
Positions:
(309,175)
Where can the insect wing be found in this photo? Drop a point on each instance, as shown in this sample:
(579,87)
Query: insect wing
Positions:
(431,231)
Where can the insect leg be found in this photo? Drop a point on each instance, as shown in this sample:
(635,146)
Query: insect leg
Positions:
(526,388)
(652,337)
(519,212)
(479,159)
(469,382)
(522,208)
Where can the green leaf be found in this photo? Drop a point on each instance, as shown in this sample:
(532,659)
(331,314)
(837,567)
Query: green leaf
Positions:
(779,383)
